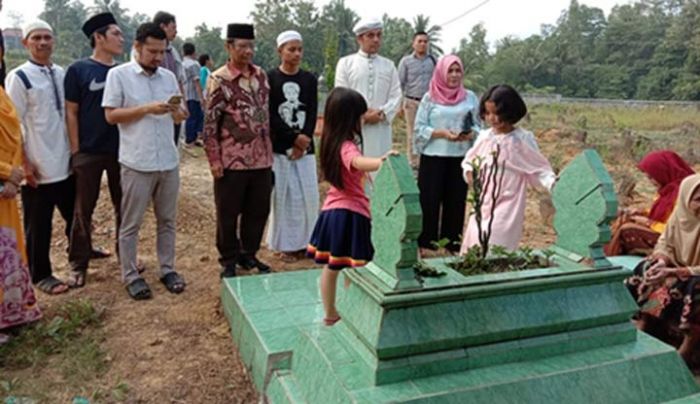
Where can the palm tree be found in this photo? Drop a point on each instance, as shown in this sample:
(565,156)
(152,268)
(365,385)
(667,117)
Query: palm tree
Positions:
(341,19)
(421,23)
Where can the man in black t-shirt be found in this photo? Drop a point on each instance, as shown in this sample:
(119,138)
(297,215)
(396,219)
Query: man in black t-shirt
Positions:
(94,143)
(293,110)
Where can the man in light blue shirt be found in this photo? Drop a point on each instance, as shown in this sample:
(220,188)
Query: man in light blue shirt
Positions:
(415,72)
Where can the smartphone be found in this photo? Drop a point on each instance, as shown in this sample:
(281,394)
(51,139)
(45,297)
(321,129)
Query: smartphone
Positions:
(175,100)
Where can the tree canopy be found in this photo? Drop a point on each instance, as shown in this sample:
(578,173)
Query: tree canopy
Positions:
(647,49)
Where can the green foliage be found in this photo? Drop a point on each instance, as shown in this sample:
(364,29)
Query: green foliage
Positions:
(423,270)
(318,28)
(501,260)
(646,49)
(61,332)
(65,16)
(69,338)
(397,33)
(330,56)
(209,40)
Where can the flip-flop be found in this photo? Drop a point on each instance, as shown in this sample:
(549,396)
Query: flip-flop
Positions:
(287,257)
(139,290)
(77,278)
(331,321)
(49,284)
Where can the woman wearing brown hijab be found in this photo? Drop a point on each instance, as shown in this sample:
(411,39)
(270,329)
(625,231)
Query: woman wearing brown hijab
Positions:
(668,291)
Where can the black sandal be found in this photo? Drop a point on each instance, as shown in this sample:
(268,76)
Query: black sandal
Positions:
(229,271)
(99,253)
(49,284)
(173,282)
(139,290)
(77,278)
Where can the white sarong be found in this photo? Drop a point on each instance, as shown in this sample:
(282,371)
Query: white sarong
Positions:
(295,203)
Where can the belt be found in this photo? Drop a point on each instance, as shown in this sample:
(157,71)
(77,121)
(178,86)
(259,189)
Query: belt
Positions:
(412,98)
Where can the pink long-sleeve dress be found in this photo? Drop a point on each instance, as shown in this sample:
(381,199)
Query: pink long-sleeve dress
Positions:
(524,164)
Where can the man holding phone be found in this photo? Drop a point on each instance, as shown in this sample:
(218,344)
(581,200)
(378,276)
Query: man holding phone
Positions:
(139,98)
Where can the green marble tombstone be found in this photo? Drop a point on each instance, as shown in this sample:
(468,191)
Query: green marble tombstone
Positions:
(545,335)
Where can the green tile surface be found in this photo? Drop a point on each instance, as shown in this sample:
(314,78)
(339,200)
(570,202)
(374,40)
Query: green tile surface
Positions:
(548,335)
(585,202)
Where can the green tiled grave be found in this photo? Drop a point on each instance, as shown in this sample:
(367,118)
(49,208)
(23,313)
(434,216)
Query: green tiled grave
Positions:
(543,335)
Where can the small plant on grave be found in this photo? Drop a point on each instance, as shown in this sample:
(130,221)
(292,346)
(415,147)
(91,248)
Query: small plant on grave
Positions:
(501,260)
(423,270)
(487,182)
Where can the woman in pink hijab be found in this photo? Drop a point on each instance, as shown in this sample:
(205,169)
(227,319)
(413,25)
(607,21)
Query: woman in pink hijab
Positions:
(446,125)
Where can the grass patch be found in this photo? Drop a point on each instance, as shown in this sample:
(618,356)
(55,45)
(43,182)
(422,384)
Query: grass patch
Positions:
(653,119)
(68,339)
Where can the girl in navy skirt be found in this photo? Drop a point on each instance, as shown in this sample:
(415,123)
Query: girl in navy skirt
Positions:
(341,237)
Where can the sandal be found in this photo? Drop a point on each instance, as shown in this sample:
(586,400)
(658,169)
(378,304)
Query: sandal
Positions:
(173,282)
(229,271)
(52,286)
(99,253)
(287,257)
(77,278)
(331,321)
(139,290)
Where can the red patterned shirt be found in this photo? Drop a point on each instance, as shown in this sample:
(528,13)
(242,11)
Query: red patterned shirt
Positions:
(236,127)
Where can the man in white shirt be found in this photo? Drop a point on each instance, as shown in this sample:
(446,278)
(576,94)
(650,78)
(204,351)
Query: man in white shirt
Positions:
(144,101)
(36,89)
(376,78)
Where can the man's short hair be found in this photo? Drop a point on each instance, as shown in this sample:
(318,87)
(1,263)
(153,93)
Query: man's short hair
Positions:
(163,17)
(102,31)
(203,59)
(419,33)
(149,30)
(188,49)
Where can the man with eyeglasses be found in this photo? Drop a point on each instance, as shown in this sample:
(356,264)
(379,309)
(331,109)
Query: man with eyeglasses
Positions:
(94,143)
(239,148)
(36,89)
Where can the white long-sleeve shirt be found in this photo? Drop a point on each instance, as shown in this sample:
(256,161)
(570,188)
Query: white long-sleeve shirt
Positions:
(376,78)
(41,108)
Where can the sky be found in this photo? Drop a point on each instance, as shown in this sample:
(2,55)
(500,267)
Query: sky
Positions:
(500,17)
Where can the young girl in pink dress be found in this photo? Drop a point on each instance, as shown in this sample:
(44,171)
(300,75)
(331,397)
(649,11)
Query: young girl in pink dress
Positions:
(501,107)
(342,235)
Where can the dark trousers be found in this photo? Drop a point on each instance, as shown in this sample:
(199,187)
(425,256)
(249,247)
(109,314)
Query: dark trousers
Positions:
(87,169)
(38,205)
(244,193)
(443,194)
(193,125)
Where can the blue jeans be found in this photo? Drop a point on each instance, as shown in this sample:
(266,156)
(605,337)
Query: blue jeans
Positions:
(195,122)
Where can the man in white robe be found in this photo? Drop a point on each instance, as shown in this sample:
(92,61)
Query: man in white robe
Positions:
(376,78)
